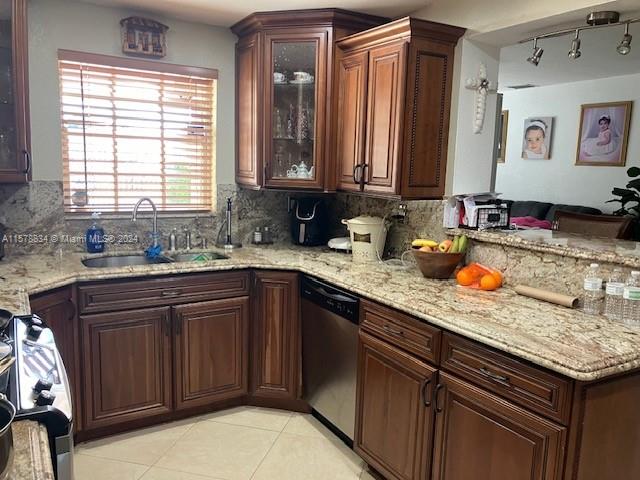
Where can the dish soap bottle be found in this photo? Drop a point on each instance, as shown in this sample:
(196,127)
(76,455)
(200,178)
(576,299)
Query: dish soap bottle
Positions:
(95,235)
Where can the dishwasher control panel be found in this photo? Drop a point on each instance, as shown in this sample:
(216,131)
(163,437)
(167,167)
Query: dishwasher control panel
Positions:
(331,298)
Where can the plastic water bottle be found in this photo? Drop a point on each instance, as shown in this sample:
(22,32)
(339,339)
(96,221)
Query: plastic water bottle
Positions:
(631,300)
(593,290)
(613,295)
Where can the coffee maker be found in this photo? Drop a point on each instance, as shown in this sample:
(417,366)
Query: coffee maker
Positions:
(309,223)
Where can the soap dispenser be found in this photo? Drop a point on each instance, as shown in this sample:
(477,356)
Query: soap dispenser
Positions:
(95,235)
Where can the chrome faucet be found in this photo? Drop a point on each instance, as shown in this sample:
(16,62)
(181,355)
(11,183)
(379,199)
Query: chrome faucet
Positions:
(134,217)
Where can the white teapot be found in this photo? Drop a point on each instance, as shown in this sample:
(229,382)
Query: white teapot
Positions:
(303,171)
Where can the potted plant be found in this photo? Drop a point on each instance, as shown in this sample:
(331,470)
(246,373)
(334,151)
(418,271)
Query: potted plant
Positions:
(629,200)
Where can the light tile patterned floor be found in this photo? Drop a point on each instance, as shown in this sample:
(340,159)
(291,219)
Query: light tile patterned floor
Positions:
(244,443)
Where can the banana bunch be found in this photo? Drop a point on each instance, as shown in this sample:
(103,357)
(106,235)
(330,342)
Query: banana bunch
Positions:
(457,245)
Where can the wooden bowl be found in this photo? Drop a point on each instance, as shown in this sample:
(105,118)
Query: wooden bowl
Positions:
(437,265)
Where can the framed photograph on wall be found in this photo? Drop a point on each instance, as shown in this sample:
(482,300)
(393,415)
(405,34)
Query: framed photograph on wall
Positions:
(503,127)
(603,136)
(536,140)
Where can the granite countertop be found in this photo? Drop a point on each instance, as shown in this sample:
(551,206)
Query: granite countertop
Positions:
(32,460)
(602,250)
(569,342)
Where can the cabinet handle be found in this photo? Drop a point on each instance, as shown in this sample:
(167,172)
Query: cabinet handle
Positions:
(355,170)
(171,293)
(436,397)
(363,176)
(392,331)
(426,401)
(494,376)
(27,162)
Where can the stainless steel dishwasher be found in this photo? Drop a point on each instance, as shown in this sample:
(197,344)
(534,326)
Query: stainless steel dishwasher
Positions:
(330,353)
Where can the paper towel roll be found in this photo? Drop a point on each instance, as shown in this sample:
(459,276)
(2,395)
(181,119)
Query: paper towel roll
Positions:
(547,296)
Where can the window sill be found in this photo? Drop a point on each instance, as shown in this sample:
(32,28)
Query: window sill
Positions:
(127,216)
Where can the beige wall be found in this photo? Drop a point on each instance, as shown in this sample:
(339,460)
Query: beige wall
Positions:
(66,24)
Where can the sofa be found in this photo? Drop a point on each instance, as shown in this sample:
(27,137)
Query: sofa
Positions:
(545,211)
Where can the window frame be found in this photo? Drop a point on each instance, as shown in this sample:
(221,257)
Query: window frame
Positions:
(107,61)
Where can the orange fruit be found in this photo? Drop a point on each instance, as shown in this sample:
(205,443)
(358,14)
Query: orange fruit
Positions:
(489,282)
(464,277)
(498,276)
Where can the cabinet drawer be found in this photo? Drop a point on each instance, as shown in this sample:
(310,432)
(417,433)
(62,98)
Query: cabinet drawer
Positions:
(538,390)
(129,294)
(401,330)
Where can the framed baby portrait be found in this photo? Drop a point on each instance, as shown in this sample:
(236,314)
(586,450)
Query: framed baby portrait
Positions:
(536,140)
(604,134)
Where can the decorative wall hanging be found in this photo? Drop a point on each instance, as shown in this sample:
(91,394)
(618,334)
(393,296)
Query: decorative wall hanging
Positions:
(604,134)
(482,87)
(143,36)
(536,141)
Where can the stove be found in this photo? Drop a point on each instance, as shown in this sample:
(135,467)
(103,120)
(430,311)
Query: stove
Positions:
(37,385)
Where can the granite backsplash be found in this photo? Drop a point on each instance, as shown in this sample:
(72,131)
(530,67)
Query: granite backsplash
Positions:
(36,210)
(35,222)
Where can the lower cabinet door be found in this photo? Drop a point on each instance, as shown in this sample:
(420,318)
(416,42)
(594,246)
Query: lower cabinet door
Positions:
(127,366)
(480,436)
(276,335)
(211,351)
(394,420)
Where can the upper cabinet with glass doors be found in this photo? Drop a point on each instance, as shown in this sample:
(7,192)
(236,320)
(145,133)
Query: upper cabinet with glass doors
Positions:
(284,121)
(15,156)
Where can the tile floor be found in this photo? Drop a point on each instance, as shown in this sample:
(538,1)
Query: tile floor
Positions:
(245,443)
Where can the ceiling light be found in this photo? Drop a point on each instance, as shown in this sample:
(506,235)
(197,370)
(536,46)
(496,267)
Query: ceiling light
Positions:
(534,59)
(575,47)
(625,45)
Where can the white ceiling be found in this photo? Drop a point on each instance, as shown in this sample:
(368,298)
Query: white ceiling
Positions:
(599,59)
(227,12)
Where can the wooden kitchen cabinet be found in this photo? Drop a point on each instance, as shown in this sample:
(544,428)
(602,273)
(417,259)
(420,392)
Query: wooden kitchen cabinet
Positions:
(481,436)
(248,108)
(211,351)
(15,154)
(408,76)
(284,96)
(394,414)
(352,101)
(126,366)
(276,336)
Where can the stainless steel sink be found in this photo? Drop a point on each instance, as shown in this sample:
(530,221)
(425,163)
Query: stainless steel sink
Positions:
(123,261)
(198,257)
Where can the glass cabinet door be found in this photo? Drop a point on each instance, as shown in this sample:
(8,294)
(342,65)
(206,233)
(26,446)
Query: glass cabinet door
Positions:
(295,78)
(13,99)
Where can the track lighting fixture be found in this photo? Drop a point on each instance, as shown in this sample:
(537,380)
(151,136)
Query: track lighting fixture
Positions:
(535,57)
(625,45)
(575,47)
(603,19)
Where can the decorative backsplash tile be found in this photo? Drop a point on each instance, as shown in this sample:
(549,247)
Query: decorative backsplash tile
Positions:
(33,215)
(35,221)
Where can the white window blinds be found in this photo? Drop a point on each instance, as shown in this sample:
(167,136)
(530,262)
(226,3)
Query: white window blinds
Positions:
(134,128)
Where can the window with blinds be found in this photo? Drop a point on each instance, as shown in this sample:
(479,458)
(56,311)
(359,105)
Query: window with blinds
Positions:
(134,128)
